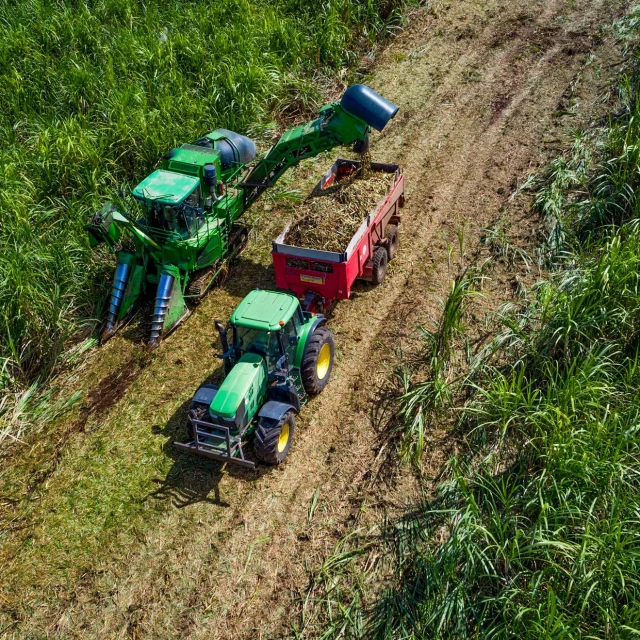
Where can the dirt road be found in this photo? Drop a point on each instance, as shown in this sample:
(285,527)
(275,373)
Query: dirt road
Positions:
(123,536)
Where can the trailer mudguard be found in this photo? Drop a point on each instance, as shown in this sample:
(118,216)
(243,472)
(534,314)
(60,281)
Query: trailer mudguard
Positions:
(273,410)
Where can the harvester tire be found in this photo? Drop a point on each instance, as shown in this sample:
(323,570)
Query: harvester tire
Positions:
(391,234)
(272,440)
(380,260)
(317,361)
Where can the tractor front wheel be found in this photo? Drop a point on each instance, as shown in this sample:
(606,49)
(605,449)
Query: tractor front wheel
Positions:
(317,361)
(273,439)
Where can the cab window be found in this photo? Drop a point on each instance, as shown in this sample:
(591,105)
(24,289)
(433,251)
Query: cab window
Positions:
(290,334)
(263,343)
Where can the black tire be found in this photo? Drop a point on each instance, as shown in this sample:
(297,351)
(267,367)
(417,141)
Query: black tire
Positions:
(380,260)
(197,411)
(315,370)
(270,443)
(391,234)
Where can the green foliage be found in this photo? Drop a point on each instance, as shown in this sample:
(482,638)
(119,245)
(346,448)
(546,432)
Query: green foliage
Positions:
(535,532)
(424,401)
(93,93)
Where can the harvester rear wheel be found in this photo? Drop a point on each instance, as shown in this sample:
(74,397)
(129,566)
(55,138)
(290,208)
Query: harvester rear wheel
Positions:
(317,361)
(380,260)
(273,440)
(391,234)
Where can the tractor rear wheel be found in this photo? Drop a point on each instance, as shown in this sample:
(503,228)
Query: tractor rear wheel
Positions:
(391,234)
(317,361)
(273,440)
(380,260)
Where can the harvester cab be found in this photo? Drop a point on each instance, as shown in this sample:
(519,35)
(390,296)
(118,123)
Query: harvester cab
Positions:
(187,229)
(172,202)
(275,356)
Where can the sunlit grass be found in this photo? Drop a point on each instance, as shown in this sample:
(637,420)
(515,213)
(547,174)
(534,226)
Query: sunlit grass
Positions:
(93,94)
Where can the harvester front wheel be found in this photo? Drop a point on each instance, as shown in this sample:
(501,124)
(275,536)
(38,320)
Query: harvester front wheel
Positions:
(380,260)
(273,440)
(317,361)
(391,234)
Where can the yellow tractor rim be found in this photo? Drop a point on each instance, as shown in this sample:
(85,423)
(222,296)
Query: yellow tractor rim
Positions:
(283,438)
(324,360)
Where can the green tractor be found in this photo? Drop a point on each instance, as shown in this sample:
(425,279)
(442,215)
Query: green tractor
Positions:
(279,356)
(184,227)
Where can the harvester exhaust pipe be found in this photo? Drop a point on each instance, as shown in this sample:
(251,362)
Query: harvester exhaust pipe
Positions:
(365,104)
(163,299)
(117,294)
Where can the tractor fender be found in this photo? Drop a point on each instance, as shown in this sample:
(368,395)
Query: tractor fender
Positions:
(273,410)
(205,394)
(319,321)
(286,394)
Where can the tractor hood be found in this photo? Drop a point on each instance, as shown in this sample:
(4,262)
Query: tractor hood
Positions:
(246,381)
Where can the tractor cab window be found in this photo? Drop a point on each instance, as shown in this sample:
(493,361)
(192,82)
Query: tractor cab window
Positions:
(192,214)
(290,335)
(264,343)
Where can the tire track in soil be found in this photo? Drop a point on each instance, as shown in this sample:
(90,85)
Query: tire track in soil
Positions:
(465,135)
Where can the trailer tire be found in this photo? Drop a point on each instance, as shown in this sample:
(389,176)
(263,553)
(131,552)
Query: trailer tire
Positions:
(391,234)
(273,439)
(380,260)
(317,361)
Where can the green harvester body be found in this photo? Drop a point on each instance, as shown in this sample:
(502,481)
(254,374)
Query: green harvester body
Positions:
(187,230)
(263,381)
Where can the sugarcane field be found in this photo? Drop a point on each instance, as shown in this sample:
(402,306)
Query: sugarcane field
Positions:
(319,320)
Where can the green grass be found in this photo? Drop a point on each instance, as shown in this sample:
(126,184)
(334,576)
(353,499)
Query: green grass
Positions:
(92,94)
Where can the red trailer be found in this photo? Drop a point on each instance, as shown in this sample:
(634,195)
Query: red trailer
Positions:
(319,278)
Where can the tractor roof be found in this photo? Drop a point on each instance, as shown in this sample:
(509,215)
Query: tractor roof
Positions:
(264,310)
(166,187)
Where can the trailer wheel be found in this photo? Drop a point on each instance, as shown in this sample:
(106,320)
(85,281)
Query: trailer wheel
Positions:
(273,439)
(380,260)
(317,361)
(391,234)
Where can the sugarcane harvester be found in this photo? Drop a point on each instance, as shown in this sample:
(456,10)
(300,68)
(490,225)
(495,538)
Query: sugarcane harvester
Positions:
(187,231)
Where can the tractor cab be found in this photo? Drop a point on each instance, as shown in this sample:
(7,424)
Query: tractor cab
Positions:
(269,324)
(171,202)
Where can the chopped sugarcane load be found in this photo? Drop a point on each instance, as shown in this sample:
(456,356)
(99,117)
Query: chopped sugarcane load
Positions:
(186,229)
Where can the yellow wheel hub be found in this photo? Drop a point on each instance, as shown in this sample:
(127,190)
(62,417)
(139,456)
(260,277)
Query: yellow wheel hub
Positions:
(324,360)
(283,438)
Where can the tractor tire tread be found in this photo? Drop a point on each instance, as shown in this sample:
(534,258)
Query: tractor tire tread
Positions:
(312,385)
(265,441)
